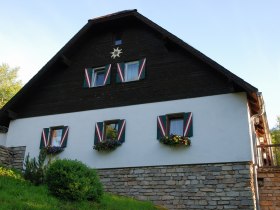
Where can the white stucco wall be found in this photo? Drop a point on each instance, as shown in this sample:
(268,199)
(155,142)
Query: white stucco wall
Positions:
(220,127)
(3,137)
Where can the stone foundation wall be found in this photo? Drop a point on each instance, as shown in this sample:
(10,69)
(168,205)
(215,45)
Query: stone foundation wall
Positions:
(206,186)
(6,156)
(269,188)
(12,156)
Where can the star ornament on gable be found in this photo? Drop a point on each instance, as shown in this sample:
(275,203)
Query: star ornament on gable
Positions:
(116,53)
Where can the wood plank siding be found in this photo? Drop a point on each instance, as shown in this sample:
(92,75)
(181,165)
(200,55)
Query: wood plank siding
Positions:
(171,73)
(174,70)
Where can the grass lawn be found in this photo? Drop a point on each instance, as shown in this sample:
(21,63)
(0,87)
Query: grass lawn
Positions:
(16,193)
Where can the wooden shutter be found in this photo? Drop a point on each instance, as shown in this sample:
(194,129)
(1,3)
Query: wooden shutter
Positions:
(161,126)
(141,71)
(120,72)
(98,136)
(65,132)
(188,124)
(107,74)
(44,138)
(88,77)
(121,131)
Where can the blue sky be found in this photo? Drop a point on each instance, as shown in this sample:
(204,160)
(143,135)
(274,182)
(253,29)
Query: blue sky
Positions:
(243,36)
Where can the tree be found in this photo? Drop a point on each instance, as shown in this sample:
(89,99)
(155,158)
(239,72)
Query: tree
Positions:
(275,136)
(9,83)
(275,132)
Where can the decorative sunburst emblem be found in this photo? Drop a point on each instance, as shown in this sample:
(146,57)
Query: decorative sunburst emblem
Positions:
(116,53)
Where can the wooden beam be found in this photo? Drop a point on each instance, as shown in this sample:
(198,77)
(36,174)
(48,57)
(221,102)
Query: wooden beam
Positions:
(12,115)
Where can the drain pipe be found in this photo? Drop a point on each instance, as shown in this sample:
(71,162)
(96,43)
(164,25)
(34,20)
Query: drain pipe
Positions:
(253,122)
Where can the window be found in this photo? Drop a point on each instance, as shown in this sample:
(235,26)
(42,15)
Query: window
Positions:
(110,130)
(54,137)
(176,124)
(118,39)
(131,71)
(98,77)
(95,77)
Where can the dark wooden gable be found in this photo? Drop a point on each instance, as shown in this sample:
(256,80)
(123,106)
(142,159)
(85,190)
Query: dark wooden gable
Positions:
(172,72)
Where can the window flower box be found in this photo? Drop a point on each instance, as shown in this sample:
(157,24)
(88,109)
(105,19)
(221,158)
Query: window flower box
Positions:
(175,140)
(107,145)
(53,150)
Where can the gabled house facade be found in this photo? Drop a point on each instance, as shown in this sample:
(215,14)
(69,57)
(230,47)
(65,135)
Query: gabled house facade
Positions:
(123,79)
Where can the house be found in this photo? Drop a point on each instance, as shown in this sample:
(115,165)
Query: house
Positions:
(123,77)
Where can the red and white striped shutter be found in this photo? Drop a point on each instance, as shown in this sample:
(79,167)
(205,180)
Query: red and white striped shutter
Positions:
(107,74)
(161,127)
(141,71)
(121,131)
(88,77)
(64,139)
(98,136)
(188,124)
(44,138)
(120,72)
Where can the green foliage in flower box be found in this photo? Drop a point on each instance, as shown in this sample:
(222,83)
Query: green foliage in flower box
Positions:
(107,145)
(176,140)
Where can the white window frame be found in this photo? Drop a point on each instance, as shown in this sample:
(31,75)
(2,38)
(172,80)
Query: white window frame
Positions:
(94,74)
(125,70)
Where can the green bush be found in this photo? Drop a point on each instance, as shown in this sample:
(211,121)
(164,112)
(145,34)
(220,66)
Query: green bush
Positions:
(73,180)
(35,169)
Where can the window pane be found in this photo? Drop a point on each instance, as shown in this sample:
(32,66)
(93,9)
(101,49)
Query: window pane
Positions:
(99,80)
(56,137)
(98,77)
(112,131)
(118,42)
(131,71)
(176,127)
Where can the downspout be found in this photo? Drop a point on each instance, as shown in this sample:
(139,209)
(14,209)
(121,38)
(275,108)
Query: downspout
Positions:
(255,166)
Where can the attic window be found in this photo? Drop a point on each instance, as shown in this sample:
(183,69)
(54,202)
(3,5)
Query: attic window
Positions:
(95,77)
(118,39)
(98,77)
(131,71)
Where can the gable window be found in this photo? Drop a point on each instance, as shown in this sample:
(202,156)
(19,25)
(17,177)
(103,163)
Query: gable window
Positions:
(54,139)
(131,71)
(118,39)
(175,124)
(95,77)
(98,77)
